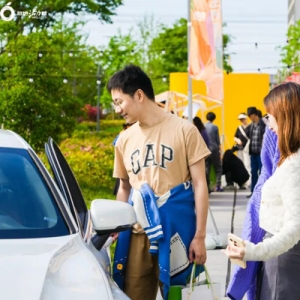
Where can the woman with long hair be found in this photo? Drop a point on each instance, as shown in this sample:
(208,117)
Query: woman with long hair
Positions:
(200,126)
(202,130)
(279,214)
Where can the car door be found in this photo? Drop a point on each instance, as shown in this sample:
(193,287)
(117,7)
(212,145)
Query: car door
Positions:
(69,187)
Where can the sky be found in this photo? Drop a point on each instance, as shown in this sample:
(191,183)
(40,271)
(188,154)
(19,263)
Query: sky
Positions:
(248,22)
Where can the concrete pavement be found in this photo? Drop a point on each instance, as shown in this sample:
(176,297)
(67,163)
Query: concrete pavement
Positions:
(221,205)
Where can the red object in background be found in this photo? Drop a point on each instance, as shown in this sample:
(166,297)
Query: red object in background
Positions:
(295,77)
(91,112)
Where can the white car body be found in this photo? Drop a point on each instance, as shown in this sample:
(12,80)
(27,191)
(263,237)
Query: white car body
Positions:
(60,267)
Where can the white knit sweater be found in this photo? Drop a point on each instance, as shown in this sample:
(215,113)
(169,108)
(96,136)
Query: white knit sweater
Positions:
(279,212)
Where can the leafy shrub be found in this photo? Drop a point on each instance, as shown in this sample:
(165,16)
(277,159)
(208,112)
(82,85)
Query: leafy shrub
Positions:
(112,116)
(92,163)
(113,126)
(90,155)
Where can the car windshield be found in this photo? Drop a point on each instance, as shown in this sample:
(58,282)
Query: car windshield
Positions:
(27,207)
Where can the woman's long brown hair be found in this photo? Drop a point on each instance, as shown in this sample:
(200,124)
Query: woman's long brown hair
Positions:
(283,102)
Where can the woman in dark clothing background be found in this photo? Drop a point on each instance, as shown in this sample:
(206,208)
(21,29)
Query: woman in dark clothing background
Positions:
(200,126)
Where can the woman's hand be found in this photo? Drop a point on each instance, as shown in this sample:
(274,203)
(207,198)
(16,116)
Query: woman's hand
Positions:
(235,252)
(238,141)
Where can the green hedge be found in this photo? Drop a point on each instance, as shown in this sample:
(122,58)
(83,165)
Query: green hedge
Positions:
(104,125)
(90,154)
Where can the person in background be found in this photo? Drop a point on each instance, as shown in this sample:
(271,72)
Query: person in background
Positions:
(277,237)
(259,113)
(255,131)
(214,146)
(201,128)
(234,170)
(241,141)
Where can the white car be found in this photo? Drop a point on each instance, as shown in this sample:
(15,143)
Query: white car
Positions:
(51,246)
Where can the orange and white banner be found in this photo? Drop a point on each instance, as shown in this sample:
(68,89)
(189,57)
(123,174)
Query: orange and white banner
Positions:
(205,52)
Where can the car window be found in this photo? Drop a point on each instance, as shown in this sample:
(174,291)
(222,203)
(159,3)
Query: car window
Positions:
(67,184)
(27,207)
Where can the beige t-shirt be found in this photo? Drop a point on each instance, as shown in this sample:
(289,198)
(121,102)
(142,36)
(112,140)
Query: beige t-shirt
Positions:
(159,155)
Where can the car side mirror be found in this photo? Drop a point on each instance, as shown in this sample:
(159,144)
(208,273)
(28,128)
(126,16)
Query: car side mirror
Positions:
(109,216)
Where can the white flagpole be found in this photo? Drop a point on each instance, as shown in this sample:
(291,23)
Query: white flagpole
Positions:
(190,86)
(223,104)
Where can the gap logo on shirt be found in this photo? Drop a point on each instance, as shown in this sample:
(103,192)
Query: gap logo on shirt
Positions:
(149,159)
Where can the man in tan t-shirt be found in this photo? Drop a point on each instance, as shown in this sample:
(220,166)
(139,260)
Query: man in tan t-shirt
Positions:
(163,151)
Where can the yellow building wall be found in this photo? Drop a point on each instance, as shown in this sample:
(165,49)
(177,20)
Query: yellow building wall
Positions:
(240,91)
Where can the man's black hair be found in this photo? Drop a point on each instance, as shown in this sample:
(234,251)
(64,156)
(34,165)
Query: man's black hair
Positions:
(210,116)
(129,80)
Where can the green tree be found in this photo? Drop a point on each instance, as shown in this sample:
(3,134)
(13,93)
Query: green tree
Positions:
(290,52)
(132,47)
(226,56)
(158,49)
(120,51)
(55,10)
(148,28)
(169,54)
(37,97)
(81,65)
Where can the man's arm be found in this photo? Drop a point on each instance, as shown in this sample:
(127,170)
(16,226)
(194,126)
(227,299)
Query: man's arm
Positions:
(124,190)
(197,248)
(122,195)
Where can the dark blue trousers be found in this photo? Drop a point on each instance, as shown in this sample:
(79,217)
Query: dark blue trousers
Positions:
(255,169)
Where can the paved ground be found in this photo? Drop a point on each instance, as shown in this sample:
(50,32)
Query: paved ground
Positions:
(221,206)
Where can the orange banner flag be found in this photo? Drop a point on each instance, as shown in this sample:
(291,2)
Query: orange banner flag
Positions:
(205,51)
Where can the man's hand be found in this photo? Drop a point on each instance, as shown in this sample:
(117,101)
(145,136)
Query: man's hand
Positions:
(197,251)
(115,236)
